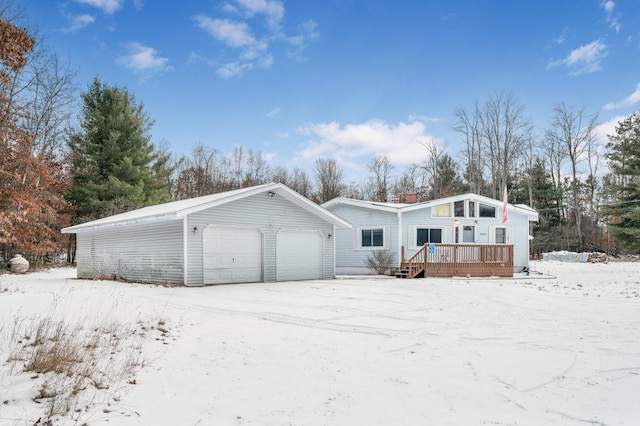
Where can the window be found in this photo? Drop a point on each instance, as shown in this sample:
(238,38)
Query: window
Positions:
(472,209)
(428,235)
(443,210)
(458,209)
(372,237)
(486,210)
(501,235)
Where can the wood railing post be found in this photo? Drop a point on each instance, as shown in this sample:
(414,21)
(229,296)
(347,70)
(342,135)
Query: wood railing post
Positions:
(424,259)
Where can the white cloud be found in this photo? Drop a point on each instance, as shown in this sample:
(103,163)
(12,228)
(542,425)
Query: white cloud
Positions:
(274,112)
(630,100)
(233,69)
(107,6)
(612,18)
(273,10)
(609,128)
(79,21)
(366,140)
(561,38)
(238,33)
(307,31)
(424,118)
(584,59)
(234,34)
(142,58)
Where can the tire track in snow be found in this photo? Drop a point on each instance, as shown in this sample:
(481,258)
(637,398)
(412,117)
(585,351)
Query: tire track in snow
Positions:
(554,378)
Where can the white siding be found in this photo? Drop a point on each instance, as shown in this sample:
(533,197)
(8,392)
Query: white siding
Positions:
(351,260)
(143,253)
(268,214)
(517,231)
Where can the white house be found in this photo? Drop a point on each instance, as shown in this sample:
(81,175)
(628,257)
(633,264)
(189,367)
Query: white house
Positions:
(264,233)
(406,228)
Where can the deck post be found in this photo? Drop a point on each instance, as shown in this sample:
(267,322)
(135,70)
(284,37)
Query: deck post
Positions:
(425,255)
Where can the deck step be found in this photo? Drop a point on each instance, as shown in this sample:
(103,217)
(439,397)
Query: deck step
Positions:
(402,273)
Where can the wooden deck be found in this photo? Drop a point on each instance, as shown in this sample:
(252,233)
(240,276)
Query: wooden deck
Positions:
(459,260)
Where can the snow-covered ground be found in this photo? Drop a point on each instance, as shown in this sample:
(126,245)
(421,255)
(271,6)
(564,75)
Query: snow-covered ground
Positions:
(561,346)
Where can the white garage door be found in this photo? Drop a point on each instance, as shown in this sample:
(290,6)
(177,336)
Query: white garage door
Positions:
(232,255)
(299,255)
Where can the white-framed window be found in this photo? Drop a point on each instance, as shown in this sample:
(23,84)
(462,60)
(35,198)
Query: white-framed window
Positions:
(441,210)
(458,208)
(428,236)
(372,238)
(463,208)
(499,235)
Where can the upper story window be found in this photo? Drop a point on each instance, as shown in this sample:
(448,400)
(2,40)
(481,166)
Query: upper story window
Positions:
(472,208)
(458,209)
(442,210)
(485,210)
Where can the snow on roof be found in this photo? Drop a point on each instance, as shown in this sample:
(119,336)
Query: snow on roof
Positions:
(178,209)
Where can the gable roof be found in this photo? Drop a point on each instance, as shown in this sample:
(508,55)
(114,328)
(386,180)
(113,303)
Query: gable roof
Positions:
(396,207)
(179,209)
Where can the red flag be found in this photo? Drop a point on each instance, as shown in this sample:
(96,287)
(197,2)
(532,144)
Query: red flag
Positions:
(504,207)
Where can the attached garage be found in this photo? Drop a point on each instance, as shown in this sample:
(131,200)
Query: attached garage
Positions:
(260,234)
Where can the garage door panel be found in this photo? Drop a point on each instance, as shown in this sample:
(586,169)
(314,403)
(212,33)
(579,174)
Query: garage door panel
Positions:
(299,255)
(232,255)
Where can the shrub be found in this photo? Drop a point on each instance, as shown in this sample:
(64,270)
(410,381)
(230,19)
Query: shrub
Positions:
(380,261)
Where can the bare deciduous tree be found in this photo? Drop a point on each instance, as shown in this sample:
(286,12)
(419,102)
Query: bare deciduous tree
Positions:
(573,133)
(506,134)
(380,168)
(431,167)
(329,179)
(468,125)
(413,180)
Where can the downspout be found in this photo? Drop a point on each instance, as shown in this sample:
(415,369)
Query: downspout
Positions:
(333,242)
(185,265)
(399,239)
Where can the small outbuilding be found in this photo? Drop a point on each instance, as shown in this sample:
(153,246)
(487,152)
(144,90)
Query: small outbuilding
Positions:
(263,233)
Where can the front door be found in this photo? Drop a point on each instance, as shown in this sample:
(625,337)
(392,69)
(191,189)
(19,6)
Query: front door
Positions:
(468,234)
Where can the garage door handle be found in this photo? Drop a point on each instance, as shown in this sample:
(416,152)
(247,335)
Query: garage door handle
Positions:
(233,260)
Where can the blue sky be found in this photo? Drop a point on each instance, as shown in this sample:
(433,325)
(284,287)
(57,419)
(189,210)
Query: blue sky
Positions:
(347,79)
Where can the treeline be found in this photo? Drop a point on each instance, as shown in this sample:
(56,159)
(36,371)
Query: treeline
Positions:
(54,174)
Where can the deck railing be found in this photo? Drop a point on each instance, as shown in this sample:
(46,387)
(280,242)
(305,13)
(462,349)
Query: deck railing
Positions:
(449,260)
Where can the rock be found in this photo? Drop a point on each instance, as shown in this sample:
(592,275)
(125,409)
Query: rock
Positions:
(19,265)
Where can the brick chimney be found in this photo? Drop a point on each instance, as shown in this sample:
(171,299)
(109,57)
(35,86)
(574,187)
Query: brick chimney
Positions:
(412,198)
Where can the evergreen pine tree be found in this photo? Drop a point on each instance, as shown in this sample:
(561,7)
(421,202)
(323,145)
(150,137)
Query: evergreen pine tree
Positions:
(114,166)
(624,162)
